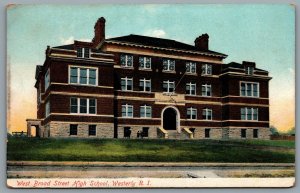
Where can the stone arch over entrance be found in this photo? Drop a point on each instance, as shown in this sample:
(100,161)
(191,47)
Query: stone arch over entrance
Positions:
(170,118)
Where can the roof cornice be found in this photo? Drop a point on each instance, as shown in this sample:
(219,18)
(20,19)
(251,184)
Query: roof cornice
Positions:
(168,49)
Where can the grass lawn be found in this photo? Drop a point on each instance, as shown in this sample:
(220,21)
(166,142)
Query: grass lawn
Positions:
(34,149)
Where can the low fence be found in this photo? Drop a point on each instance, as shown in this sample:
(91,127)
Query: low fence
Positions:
(283,137)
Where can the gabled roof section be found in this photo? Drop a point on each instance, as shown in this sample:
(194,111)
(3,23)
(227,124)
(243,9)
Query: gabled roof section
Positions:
(161,43)
(73,47)
(240,66)
(65,47)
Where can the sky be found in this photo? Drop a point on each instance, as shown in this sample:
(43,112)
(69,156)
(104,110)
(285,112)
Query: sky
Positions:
(264,34)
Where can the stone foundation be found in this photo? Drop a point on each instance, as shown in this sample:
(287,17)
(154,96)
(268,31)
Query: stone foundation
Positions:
(57,129)
(263,133)
(231,133)
(215,133)
(63,130)
(152,132)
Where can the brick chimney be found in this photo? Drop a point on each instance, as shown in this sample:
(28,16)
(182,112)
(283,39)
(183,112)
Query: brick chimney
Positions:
(99,31)
(201,42)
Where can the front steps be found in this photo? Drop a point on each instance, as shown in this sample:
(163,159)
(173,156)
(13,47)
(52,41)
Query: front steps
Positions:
(174,134)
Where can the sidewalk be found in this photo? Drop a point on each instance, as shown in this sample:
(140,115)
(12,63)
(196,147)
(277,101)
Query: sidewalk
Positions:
(144,164)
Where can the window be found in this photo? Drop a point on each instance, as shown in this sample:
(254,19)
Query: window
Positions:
(92,130)
(190,88)
(145,62)
(126,84)
(192,113)
(206,90)
(249,89)
(47,111)
(145,85)
(127,132)
(83,106)
(190,67)
(243,133)
(206,69)
(73,129)
(249,70)
(145,111)
(127,110)
(249,113)
(207,114)
(207,133)
(145,132)
(168,86)
(47,79)
(83,52)
(255,133)
(168,65)
(126,60)
(84,76)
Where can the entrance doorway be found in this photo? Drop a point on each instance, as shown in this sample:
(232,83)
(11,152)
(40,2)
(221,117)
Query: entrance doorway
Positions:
(170,119)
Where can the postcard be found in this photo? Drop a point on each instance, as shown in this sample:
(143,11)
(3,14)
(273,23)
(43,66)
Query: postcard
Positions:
(151,96)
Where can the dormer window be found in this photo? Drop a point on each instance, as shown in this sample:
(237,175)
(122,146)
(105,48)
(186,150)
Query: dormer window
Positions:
(168,65)
(206,69)
(126,60)
(249,70)
(83,52)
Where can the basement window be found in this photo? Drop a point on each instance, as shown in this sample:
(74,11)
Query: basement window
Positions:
(73,129)
(243,133)
(255,133)
(207,133)
(92,130)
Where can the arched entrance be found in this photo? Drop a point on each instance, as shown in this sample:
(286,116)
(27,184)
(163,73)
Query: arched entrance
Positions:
(170,118)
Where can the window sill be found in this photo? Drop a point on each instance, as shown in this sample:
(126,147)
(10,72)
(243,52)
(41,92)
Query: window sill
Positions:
(145,69)
(83,114)
(171,72)
(170,93)
(191,73)
(206,74)
(76,84)
(127,67)
(250,96)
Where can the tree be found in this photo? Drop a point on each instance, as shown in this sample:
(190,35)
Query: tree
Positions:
(274,130)
(292,131)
